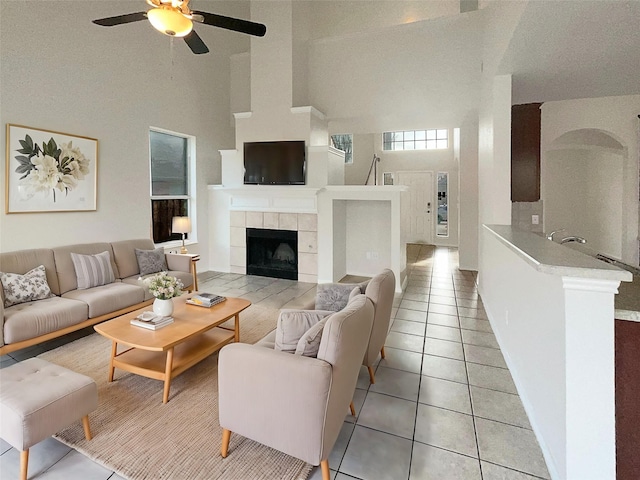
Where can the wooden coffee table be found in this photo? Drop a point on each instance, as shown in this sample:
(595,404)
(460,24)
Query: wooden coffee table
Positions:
(165,353)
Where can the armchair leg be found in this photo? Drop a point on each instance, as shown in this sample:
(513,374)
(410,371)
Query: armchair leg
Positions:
(353,409)
(226,436)
(372,377)
(87,427)
(24,464)
(324,465)
(382,352)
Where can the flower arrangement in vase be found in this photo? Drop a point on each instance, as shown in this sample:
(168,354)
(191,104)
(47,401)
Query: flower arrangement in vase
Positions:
(164,287)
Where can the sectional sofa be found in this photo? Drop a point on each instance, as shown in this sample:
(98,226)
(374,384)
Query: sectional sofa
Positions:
(70,308)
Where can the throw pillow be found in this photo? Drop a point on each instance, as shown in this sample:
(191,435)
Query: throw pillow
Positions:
(25,288)
(151,261)
(309,343)
(293,324)
(93,270)
(334,296)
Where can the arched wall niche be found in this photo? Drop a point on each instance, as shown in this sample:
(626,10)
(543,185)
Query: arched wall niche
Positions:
(584,188)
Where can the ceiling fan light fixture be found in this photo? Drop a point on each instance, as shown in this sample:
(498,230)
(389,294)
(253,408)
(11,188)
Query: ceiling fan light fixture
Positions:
(170,22)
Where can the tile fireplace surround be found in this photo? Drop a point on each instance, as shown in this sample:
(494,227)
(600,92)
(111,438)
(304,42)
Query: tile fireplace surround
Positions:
(306,224)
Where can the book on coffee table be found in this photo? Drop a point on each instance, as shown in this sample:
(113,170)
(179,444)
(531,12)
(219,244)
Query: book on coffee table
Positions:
(205,299)
(151,321)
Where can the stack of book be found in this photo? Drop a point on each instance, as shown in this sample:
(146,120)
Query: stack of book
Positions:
(151,321)
(205,299)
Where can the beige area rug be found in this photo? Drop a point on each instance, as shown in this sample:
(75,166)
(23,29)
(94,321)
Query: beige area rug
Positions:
(138,437)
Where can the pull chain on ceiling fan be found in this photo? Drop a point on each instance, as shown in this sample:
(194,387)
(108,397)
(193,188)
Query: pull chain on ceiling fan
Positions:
(175,18)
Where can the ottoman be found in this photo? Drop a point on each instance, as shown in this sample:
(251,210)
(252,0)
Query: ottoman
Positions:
(38,399)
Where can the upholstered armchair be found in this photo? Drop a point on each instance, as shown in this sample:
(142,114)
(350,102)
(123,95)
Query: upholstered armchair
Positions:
(295,403)
(380,290)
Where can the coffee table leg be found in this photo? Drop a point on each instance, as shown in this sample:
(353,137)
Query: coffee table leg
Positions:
(114,349)
(167,375)
(237,328)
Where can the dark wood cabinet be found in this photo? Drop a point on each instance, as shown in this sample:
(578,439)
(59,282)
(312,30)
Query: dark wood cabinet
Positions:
(627,338)
(525,152)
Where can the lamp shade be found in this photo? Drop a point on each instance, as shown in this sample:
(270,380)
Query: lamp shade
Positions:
(170,22)
(181,225)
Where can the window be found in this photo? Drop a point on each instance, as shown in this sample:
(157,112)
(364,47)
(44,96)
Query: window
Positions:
(416,140)
(170,182)
(442,225)
(344,142)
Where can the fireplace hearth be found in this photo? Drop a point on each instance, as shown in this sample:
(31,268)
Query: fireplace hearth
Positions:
(272,253)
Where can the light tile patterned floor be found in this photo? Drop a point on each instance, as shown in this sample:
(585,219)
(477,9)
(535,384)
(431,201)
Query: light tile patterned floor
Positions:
(443,407)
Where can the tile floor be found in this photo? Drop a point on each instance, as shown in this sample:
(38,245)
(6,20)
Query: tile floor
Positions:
(444,405)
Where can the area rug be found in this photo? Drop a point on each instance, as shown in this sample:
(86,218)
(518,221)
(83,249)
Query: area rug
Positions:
(139,437)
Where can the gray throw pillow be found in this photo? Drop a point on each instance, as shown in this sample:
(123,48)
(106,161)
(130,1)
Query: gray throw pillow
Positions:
(93,270)
(25,288)
(293,324)
(151,261)
(309,343)
(334,296)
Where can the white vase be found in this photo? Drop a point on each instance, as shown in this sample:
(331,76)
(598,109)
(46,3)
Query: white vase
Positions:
(163,307)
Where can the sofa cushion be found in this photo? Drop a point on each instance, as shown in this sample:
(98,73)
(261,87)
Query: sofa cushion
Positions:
(67,279)
(293,324)
(25,288)
(93,270)
(334,296)
(32,319)
(124,255)
(108,298)
(22,261)
(151,261)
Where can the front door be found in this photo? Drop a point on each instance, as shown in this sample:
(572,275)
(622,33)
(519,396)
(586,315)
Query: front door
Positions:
(417,206)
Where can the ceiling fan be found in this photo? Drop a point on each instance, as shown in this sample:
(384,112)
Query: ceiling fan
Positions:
(175,18)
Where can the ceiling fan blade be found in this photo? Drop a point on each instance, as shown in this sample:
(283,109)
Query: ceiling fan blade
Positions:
(195,43)
(235,24)
(120,19)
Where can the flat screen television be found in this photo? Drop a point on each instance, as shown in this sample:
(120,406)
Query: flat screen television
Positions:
(274,163)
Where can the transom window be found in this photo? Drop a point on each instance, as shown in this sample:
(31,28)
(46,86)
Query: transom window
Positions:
(416,140)
(344,142)
(170,182)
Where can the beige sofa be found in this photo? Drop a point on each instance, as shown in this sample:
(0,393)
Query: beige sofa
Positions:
(72,309)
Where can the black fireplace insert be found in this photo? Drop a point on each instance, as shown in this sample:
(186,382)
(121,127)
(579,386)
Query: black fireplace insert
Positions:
(272,253)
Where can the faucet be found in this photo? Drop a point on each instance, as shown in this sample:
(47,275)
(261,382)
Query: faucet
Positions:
(573,238)
(550,235)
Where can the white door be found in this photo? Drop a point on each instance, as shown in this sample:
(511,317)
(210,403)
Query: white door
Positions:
(417,206)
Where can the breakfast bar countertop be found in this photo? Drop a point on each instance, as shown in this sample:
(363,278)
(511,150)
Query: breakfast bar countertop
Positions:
(553,258)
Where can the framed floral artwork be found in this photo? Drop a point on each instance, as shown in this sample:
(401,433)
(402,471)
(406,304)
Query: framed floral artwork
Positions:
(50,171)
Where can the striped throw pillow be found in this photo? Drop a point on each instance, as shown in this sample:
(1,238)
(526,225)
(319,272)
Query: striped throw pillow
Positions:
(93,270)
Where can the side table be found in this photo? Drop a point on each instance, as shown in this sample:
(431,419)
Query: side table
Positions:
(194,258)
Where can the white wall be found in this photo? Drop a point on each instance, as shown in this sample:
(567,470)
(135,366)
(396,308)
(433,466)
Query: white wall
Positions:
(494,152)
(468,196)
(584,196)
(618,117)
(111,84)
(554,324)
(532,338)
(376,254)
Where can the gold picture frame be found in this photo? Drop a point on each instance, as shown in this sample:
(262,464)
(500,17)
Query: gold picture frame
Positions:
(48,171)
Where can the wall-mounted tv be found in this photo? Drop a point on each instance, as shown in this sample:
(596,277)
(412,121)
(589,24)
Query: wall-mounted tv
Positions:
(274,163)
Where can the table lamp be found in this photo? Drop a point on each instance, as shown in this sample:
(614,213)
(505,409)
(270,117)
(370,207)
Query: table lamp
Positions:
(181,225)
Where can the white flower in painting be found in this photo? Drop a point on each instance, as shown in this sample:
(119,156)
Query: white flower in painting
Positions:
(50,168)
(45,175)
(66,182)
(78,163)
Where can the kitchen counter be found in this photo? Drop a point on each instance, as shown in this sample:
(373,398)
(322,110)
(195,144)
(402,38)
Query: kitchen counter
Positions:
(627,301)
(571,260)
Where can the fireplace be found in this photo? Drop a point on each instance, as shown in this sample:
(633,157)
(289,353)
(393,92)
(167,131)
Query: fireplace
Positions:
(272,253)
